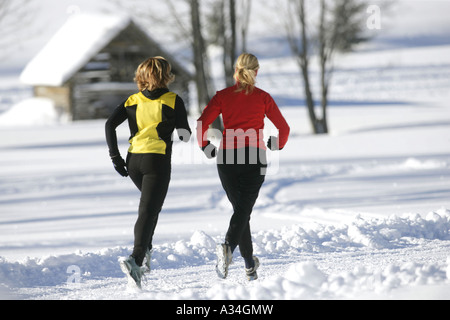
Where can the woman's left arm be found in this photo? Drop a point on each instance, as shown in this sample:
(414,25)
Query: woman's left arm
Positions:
(181,121)
(274,115)
(116,119)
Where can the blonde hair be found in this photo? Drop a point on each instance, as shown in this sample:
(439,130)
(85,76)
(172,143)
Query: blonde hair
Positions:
(247,66)
(154,73)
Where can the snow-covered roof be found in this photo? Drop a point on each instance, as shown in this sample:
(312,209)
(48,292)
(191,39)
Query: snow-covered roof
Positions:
(80,38)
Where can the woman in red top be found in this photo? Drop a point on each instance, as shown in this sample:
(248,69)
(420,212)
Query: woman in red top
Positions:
(242,155)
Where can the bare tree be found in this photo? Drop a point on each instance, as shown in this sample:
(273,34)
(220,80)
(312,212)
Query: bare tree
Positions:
(200,56)
(208,21)
(201,62)
(340,27)
(246,8)
(228,22)
(230,41)
(301,50)
(184,23)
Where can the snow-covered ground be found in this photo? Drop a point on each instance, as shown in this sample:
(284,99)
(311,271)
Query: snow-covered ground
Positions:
(362,213)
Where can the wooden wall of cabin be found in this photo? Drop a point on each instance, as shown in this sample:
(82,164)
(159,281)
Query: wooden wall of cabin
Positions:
(108,79)
(61,96)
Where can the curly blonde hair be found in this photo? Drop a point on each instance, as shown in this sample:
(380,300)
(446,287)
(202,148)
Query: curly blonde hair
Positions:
(154,73)
(247,66)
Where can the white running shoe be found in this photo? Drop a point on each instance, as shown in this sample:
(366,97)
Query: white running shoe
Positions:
(251,273)
(132,270)
(224,259)
(147,260)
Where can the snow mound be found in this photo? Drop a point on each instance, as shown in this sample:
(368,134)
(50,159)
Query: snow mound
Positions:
(300,280)
(390,233)
(33,111)
(305,281)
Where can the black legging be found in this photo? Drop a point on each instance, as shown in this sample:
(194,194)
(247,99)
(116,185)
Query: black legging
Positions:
(151,174)
(241,183)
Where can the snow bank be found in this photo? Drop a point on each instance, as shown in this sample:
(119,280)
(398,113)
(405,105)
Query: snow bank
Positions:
(388,233)
(301,280)
(33,111)
(305,281)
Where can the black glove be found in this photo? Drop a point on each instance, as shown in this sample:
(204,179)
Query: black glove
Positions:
(210,150)
(273,144)
(120,165)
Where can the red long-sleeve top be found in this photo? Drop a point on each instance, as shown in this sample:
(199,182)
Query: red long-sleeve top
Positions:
(243,118)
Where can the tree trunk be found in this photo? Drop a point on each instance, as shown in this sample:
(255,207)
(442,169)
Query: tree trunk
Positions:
(202,74)
(304,66)
(229,39)
(322,125)
(245,20)
(200,58)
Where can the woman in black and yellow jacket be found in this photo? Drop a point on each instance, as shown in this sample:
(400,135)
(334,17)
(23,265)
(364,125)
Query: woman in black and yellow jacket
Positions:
(153,114)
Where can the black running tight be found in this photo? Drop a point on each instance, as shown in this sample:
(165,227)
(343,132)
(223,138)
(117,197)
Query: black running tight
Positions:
(151,175)
(241,183)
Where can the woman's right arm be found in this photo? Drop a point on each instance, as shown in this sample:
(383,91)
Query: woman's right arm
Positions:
(209,114)
(116,119)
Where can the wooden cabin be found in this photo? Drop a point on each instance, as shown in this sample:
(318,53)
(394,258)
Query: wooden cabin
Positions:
(88,67)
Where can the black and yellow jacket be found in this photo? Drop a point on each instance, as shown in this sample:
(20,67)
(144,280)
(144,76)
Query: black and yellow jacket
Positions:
(152,118)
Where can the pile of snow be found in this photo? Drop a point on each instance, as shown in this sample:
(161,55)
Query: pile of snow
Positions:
(304,277)
(32,111)
(388,233)
(304,280)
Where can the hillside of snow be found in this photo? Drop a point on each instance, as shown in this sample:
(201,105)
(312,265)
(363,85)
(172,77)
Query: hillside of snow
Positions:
(361,213)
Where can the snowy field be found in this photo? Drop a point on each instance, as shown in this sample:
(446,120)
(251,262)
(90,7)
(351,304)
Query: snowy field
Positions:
(362,213)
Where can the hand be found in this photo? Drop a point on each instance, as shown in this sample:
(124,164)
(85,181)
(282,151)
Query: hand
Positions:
(120,165)
(210,150)
(184,134)
(273,144)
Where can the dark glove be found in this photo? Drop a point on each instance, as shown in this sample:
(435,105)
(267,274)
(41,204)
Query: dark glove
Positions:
(120,165)
(210,150)
(273,144)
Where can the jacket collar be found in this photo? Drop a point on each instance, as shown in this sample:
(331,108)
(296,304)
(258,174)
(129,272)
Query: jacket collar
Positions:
(155,94)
